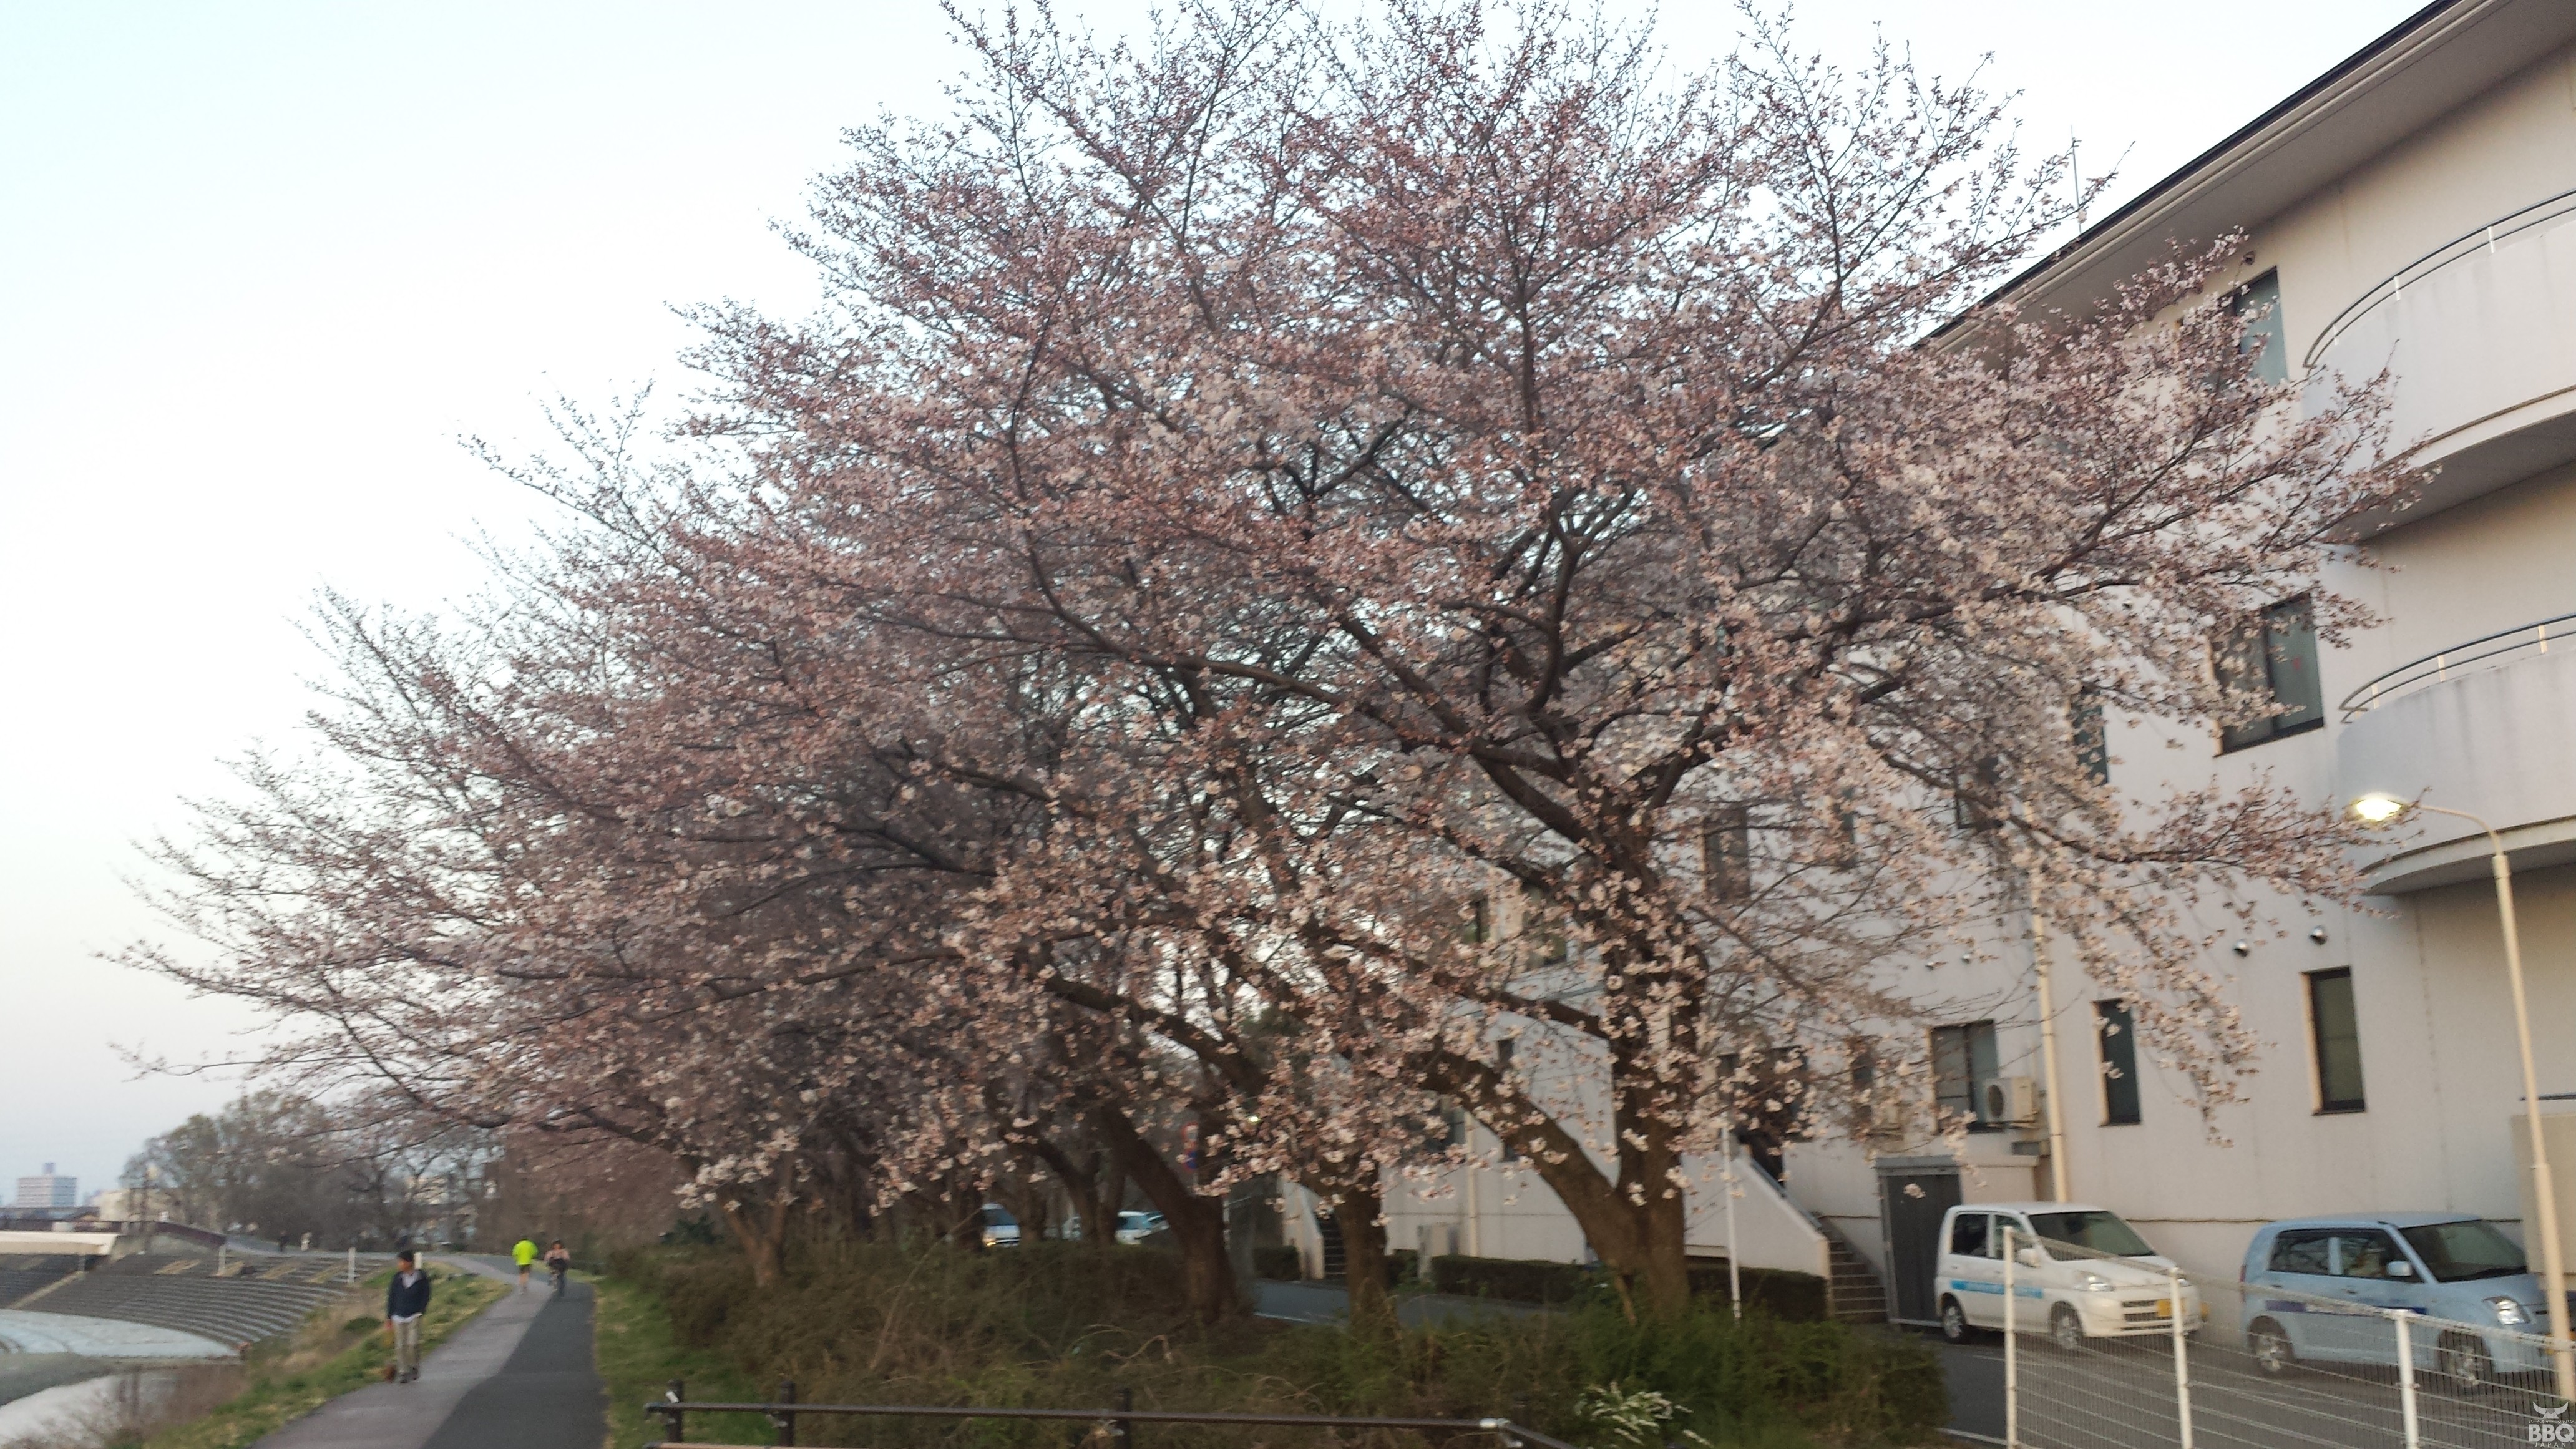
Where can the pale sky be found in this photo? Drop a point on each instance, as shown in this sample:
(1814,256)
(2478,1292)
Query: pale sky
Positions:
(262,265)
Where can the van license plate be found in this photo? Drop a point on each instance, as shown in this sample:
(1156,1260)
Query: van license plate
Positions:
(2164,1308)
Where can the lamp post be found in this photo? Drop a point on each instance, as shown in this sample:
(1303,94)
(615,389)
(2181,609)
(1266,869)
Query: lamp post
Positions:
(2380,809)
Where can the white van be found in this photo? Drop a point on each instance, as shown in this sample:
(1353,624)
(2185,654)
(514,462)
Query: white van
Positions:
(2078,1272)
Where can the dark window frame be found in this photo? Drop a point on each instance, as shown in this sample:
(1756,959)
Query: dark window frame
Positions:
(1967,1035)
(1726,853)
(2267,330)
(2115,1032)
(2330,1056)
(2090,733)
(1476,926)
(2267,655)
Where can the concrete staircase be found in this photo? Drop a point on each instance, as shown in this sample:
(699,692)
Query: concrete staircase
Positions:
(1853,1293)
(23,1277)
(253,1300)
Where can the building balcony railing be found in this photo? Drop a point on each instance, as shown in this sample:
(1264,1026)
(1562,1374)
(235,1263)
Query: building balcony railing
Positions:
(2392,292)
(2480,336)
(2481,727)
(2485,651)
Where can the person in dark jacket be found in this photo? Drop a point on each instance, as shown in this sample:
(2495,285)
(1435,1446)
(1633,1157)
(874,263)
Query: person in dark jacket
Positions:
(406,1300)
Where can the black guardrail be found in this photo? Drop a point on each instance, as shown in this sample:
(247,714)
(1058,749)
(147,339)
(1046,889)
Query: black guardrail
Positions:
(675,1406)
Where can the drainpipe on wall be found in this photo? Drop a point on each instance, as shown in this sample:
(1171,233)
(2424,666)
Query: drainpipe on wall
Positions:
(2048,1054)
(1475,1217)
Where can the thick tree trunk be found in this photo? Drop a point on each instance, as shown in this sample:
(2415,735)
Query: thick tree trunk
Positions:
(1357,1211)
(1113,1197)
(1637,1223)
(1094,1182)
(1197,1221)
(761,1229)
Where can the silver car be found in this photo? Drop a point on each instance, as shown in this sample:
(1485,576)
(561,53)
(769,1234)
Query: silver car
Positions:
(2329,1290)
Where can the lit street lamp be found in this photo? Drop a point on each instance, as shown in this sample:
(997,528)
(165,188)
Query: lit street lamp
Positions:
(2380,809)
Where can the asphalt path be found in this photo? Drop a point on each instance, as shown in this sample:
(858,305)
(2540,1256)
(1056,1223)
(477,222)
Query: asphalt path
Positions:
(518,1376)
(1328,1303)
(546,1395)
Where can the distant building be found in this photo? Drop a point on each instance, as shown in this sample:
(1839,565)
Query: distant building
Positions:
(48,1191)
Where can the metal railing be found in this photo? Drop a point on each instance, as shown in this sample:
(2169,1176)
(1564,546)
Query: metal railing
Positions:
(1118,1423)
(2457,249)
(2433,668)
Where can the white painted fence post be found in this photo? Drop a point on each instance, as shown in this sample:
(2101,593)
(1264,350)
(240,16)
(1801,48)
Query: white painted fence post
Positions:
(2012,1359)
(2406,1376)
(353,1262)
(2182,1360)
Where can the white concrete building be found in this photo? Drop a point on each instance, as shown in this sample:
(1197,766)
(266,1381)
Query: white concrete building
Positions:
(47,1191)
(2416,206)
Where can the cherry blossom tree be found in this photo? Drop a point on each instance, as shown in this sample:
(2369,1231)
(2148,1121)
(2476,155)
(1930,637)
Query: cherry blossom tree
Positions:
(1306,569)
(1439,429)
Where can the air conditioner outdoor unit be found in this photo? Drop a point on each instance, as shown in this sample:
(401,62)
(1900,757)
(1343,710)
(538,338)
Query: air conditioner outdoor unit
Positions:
(2012,1100)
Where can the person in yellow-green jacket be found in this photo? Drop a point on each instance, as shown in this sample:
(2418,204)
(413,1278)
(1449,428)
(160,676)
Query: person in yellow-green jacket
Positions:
(523,1255)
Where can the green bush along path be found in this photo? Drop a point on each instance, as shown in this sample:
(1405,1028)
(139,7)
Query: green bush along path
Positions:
(1069,1325)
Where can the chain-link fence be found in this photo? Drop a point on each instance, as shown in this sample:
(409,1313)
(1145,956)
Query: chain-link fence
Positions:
(2096,1356)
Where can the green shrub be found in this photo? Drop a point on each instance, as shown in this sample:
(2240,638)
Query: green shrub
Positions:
(1521,1280)
(1795,1297)
(1281,1262)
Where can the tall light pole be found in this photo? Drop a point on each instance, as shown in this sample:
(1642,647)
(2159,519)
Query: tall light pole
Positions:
(2380,809)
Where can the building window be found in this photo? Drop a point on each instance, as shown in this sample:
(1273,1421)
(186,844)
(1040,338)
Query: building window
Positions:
(1963,1061)
(2259,303)
(2272,660)
(2119,1033)
(2336,1032)
(2092,740)
(1726,853)
(1979,790)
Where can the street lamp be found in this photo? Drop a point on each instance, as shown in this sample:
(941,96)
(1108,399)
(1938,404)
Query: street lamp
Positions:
(2380,808)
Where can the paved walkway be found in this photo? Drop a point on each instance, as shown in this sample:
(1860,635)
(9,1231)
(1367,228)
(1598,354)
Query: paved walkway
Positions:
(1330,1303)
(519,1376)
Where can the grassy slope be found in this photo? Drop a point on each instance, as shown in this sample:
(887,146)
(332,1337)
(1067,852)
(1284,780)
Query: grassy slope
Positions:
(340,1348)
(640,1353)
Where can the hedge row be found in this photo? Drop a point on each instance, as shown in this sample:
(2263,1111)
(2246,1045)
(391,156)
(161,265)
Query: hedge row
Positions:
(1792,1297)
(1287,1263)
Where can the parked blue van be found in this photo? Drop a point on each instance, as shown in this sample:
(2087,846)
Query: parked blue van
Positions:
(2462,1273)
